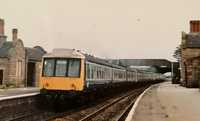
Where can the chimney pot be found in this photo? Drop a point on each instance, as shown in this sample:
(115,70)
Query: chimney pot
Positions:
(14,34)
(195,26)
(1,27)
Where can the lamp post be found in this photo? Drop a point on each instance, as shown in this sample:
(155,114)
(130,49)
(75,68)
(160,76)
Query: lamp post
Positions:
(172,70)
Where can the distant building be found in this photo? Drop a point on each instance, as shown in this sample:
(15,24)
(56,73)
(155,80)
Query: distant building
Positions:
(153,65)
(144,64)
(190,56)
(19,66)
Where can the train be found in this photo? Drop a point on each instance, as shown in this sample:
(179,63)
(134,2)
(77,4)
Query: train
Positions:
(70,70)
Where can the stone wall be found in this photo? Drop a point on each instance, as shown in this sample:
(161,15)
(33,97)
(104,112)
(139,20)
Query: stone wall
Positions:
(188,53)
(14,59)
(37,73)
(20,56)
(190,61)
(16,74)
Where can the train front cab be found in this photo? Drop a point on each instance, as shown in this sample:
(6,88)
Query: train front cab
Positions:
(62,74)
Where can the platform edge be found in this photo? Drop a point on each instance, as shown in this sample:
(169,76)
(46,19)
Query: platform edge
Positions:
(18,96)
(131,113)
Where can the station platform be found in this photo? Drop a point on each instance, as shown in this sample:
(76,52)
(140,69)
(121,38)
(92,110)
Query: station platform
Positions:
(167,102)
(17,92)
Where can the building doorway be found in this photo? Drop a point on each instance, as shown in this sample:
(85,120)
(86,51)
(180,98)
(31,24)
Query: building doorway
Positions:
(195,76)
(31,74)
(1,77)
(185,77)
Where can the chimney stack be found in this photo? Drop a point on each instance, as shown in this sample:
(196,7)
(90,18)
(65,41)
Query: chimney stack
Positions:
(1,27)
(14,34)
(194,26)
(2,36)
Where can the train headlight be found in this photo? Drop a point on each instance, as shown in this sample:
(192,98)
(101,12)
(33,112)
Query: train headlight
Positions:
(46,84)
(73,86)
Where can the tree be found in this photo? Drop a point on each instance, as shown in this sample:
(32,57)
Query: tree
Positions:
(177,53)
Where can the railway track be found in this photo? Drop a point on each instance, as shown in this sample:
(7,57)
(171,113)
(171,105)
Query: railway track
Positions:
(115,109)
(34,116)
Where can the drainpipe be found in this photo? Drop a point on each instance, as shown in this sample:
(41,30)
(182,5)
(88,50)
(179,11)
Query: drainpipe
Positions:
(25,68)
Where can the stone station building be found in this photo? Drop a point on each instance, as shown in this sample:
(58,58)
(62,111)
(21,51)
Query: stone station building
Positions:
(19,66)
(190,56)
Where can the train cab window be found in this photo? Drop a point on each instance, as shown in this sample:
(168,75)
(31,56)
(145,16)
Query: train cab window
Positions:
(61,68)
(74,68)
(48,69)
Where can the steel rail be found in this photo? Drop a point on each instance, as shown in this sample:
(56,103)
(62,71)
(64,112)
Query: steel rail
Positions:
(126,111)
(92,115)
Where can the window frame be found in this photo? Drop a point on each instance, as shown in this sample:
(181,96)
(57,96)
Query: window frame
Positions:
(79,71)
(44,67)
(67,68)
(55,67)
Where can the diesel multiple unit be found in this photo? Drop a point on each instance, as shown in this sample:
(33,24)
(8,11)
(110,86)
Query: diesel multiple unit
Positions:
(71,70)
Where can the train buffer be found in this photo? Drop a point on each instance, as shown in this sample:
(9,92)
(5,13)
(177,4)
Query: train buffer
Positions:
(17,93)
(167,102)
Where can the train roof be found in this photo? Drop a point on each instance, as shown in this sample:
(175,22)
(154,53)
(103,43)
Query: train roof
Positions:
(105,62)
(131,69)
(72,53)
(62,53)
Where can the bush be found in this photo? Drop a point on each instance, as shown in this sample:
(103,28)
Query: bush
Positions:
(2,86)
(10,85)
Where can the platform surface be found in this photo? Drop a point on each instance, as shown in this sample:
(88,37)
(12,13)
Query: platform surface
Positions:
(168,102)
(17,92)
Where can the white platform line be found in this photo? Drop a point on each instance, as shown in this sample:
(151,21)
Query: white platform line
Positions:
(131,113)
(18,96)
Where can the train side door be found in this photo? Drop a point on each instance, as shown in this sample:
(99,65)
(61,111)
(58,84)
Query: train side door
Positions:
(1,77)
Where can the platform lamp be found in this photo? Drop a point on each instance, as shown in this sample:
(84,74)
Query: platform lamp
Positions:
(172,70)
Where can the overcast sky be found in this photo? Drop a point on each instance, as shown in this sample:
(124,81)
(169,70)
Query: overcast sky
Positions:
(105,28)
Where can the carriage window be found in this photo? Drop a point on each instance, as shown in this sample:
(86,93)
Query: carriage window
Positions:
(48,69)
(88,71)
(74,68)
(61,68)
(92,72)
(98,73)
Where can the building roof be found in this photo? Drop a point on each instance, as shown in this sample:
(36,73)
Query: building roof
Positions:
(34,53)
(6,49)
(101,61)
(142,62)
(192,40)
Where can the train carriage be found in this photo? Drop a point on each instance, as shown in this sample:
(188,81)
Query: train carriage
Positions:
(63,70)
(70,70)
(131,75)
(97,74)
